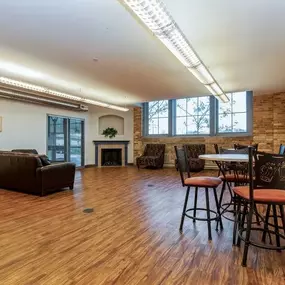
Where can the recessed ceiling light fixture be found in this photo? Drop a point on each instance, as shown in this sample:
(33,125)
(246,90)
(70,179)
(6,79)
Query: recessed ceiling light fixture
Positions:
(22,85)
(154,15)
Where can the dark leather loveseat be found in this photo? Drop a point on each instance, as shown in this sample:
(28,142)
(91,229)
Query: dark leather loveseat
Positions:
(26,173)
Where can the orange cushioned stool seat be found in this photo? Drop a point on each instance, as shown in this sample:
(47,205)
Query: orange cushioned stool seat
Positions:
(203,181)
(262,195)
(234,178)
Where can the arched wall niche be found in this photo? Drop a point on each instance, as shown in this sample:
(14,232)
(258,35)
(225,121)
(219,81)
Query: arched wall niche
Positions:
(111,121)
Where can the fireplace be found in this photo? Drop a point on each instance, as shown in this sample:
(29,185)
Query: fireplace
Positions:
(115,153)
(111,157)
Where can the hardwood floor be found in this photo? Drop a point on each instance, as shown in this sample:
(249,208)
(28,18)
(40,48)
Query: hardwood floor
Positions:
(131,237)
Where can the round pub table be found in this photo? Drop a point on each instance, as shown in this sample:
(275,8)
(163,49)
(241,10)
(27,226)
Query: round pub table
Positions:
(219,159)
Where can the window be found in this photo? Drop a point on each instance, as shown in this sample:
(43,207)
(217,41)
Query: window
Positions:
(233,115)
(193,116)
(199,116)
(158,117)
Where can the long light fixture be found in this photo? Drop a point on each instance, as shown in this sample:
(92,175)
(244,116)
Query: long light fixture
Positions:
(22,85)
(154,15)
(36,99)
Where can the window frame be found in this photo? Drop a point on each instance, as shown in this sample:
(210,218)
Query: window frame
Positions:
(214,119)
(249,118)
(146,120)
(194,135)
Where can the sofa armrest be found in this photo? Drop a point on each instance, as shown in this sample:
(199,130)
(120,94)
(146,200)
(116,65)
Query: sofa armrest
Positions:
(56,176)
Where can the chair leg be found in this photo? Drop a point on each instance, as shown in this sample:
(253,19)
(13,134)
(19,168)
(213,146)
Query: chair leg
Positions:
(208,214)
(275,218)
(222,194)
(184,209)
(195,203)
(265,229)
(218,210)
(237,220)
(256,214)
(235,204)
(282,214)
(241,225)
(248,232)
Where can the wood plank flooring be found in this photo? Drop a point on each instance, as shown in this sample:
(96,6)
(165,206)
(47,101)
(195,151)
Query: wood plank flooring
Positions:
(131,237)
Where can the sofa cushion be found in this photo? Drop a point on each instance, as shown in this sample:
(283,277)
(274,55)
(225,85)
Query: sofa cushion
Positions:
(32,151)
(44,159)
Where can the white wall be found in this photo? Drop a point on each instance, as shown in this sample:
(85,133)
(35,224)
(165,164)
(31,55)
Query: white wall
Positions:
(25,126)
(94,132)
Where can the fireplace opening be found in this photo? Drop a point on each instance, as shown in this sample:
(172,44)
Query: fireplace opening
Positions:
(111,157)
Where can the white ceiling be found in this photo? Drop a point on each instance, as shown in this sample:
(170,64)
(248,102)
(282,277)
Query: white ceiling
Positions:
(242,43)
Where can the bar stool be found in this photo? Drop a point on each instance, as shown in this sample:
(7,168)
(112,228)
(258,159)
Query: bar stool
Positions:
(206,183)
(266,187)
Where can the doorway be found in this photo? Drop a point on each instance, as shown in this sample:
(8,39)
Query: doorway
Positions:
(65,139)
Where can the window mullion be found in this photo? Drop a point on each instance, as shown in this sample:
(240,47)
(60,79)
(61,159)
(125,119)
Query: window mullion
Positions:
(171,117)
(214,116)
(145,119)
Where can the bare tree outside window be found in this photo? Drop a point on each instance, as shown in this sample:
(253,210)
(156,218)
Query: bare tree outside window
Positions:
(158,117)
(193,116)
(233,115)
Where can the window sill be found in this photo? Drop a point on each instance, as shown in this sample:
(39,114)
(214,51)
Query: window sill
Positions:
(199,136)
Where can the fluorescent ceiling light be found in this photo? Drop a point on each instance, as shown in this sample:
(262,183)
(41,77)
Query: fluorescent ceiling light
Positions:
(155,16)
(40,89)
(38,99)
(19,70)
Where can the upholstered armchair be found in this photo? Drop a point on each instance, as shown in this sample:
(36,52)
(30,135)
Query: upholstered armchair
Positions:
(193,152)
(153,156)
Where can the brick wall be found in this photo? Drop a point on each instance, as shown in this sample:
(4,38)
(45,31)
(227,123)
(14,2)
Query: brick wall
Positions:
(278,120)
(268,130)
(138,139)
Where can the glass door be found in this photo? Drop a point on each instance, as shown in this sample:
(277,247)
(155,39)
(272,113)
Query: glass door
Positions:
(76,141)
(66,140)
(57,139)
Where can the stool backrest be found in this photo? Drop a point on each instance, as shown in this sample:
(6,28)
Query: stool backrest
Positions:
(241,146)
(233,151)
(216,147)
(265,171)
(183,163)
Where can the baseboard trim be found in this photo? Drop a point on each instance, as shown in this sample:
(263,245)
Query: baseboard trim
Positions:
(90,165)
(167,165)
(94,165)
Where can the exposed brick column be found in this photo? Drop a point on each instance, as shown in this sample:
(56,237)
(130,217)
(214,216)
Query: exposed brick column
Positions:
(138,149)
(263,121)
(278,121)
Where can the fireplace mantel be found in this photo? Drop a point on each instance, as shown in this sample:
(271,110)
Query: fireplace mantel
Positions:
(111,142)
(103,144)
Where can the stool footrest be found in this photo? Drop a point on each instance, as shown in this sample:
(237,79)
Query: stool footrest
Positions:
(202,219)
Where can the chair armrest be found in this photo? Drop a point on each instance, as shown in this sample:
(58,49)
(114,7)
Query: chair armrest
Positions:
(56,176)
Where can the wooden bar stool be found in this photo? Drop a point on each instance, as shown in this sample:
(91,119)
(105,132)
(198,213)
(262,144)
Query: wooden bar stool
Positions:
(205,183)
